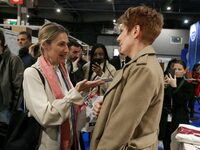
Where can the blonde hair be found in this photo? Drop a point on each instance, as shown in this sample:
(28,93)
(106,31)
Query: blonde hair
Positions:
(149,20)
(34,50)
(47,33)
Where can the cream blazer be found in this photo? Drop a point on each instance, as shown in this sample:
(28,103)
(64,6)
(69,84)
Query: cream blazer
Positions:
(47,110)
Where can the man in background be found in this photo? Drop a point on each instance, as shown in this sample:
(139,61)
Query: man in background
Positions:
(74,66)
(11,76)
(24,41)
(75,62)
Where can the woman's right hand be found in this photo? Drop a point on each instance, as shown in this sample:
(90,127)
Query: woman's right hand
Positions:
(85,85)
(97,69)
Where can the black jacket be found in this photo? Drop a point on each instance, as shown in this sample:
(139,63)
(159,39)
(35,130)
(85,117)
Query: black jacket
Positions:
(115,61)
(78,75)
(26,57)
(181,100)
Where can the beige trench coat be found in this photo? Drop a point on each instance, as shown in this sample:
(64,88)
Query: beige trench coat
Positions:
(130,114)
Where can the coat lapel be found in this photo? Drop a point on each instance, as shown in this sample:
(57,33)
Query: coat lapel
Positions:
(118,77)
(116,80)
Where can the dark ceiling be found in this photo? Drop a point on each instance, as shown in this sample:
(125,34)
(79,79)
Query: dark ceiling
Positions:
(106,11)
(100,13)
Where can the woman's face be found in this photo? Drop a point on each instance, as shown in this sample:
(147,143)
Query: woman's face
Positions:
(179,70)
(125,41)
(99,55)
(57,50)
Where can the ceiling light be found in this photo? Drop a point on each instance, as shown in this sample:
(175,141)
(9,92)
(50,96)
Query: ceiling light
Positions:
(114,20)
(109,0)
(169,8)
(58,10)
(186,21)
(27,16)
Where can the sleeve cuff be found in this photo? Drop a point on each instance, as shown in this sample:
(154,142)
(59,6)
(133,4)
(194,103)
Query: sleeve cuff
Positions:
(73,96)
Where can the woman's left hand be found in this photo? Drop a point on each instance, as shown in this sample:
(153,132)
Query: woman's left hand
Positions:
(170,80)
(97,108)
(85,84)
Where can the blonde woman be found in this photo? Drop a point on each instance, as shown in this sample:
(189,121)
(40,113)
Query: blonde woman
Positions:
(54,106)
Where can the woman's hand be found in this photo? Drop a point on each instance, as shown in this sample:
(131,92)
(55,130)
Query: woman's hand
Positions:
(97,69)
(97,108)
(170,80)
(86,85)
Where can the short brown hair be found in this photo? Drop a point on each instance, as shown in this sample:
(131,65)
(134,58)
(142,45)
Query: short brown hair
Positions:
(149,20)
(73,43)
(28,35)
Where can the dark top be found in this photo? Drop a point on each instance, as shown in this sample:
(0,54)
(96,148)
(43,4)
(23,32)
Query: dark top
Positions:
(11,76)
(26,57)
(115,61)
(78,75)
(181,100)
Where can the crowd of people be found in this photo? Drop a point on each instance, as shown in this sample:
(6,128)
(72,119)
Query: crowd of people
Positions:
(129,101)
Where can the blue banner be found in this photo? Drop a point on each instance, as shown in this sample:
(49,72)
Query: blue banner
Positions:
(194,46)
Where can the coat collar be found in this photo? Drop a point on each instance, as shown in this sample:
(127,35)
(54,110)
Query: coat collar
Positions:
(138,59)
(146,51)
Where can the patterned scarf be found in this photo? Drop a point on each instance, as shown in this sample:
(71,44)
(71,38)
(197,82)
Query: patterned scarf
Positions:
(53,81)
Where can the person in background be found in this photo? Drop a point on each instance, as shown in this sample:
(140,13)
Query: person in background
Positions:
(82,60)
(196,82)
(75,62)
(130,114)
(99,67)
(74,66)
(24,41)
(182,96)
(196,75)
(57,105)
(11,76)
(165,122)
(170,65)
(119,61)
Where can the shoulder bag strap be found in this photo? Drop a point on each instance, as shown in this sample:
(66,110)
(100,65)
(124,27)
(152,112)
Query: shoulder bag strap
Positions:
(43,81)
(41,76)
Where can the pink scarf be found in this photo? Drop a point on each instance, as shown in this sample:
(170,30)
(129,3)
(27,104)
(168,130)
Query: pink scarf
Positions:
(52,79)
